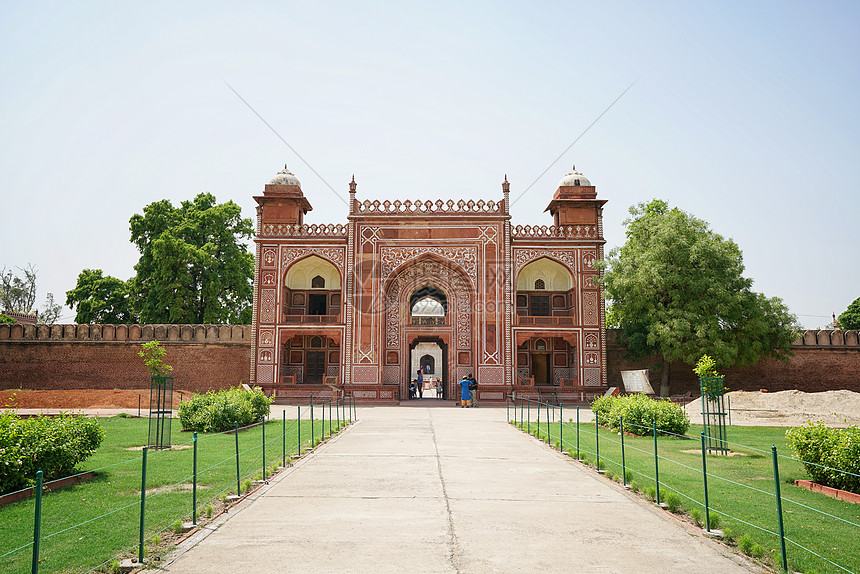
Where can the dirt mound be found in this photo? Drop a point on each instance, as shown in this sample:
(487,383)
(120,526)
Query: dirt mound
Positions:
(82,399)
(787,408)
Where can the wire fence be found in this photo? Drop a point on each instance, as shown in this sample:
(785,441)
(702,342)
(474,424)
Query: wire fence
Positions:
(132,507)
(737,498)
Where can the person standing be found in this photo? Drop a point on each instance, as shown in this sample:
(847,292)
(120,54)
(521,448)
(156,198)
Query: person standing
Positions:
(439,388)
(420,384)
(473,391)
(465,394)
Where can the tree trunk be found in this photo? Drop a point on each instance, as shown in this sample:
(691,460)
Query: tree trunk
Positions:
(664,379)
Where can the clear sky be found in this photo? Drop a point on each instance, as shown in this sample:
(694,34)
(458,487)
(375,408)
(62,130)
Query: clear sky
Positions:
(746,114)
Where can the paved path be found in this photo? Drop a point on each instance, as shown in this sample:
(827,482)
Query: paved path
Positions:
(446,490)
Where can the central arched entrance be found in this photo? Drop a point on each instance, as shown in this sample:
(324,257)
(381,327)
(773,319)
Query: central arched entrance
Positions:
(428,299)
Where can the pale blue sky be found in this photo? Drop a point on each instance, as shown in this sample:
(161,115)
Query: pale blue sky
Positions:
(746,114)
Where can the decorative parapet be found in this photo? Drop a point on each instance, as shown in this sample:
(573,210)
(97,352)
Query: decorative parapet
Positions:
(549,231)
(335,230)
(834,339)
(223,334)
(428,207)
(828,338)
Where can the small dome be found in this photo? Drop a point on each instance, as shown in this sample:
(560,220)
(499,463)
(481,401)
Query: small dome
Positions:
(285,177)
(574,178)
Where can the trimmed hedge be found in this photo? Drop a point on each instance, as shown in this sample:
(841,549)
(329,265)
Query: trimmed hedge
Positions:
(639,414)
(54,445)
(219,411)
(816,444)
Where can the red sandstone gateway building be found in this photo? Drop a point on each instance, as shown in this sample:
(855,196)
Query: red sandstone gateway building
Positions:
(451,287)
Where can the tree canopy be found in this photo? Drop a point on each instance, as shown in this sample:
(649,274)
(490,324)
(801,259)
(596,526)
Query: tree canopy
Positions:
(677,291)
(850,318)
(100,298)
(193,267)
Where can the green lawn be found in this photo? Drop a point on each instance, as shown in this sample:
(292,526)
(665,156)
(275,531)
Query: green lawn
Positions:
(740,490)
(86,525)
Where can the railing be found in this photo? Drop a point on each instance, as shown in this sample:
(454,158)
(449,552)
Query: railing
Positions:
(428,321)
(544,320)
(311,319)
(334,230)
(131,521)
(673,471)
(551,231)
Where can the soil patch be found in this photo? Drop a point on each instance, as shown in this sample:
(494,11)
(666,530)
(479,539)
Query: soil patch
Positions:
(74,399)
(787,408)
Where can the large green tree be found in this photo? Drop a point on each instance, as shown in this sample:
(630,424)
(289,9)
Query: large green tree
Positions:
(193,266)
(100,298)
(677,291)
(850,318)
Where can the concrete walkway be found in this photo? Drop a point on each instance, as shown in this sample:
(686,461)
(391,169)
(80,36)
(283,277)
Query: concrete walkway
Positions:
(446,490)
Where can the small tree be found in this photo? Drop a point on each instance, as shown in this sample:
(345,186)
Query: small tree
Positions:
(153,357)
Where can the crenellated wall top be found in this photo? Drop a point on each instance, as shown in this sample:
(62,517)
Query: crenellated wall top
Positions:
(828,338)
(428,207)
(551,231)
(222,334)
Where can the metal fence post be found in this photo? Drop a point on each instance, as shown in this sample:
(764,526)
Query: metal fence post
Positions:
(142,505)
(337,412)
(537,408)
(656,465)
(623,460)
(194,484)
(37,522)
(284,438)
(561,426)
(312,422)
(529,416)
(577,433)
(264,448)
(597,440)
(705,478)
(779,510)
(548,432)
(299,430)
(238,486)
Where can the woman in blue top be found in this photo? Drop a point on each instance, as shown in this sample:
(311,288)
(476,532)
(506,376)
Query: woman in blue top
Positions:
(465,395)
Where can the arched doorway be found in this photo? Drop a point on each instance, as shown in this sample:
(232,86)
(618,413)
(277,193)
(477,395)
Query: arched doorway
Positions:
(431,355)
(427,299)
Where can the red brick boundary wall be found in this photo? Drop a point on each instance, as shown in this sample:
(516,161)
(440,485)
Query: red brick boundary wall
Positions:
(47,357)
(822,361)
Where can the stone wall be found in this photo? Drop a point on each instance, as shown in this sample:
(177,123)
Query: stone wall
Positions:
(47,357)
(217,356)
(822,361)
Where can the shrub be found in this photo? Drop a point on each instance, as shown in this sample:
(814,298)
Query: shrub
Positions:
(672,502)
(219,411)
(750,547)
(696,515)
(715,520)
(54,445)
(639,413)
(650,493)
(836,449)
